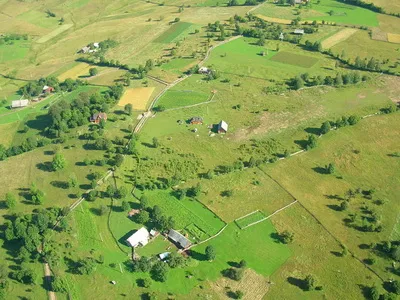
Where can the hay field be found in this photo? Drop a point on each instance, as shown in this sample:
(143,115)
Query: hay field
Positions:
(54,33)
(173,32)
(75,72)
(274,20)
(295,59)
(393,38)
(338,37)
(7,132)
(138,97)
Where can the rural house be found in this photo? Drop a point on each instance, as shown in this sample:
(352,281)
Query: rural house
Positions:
(19,103)
(139,238)
(47,89)
(298,31)
(204,70)
(96,118)
(196,120)
(85,49)
(222,127)
(179,239)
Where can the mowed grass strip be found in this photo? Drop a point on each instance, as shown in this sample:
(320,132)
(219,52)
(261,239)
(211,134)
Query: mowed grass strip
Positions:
(173,32)
(254,217)
(295,59)
(338,37)
(54,33)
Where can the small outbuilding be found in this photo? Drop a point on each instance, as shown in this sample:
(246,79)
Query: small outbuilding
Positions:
(298,31)
(47,89)
(96,118)
(19,103)
(139,238)
(179,239)
(222,127)
(85,49)
(204,70)
(196,120)
(164,255)
(153,233)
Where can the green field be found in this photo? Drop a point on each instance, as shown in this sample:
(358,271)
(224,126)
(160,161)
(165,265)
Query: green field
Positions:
(250,219)
(178,98)
(295,59)
(173,32)
(17,50)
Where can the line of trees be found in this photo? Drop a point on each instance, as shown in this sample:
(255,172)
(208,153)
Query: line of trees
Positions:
(300,81)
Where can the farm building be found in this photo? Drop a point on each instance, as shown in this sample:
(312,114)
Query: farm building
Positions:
(96,118)
(139,238)
(164,255)
(96,45)
(85,49)
(47,89)
(196,120)
(204,70)
(222,127)
(178,238)
(298,31)
(19,103)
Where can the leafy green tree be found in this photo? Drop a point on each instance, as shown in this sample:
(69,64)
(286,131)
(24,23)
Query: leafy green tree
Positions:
(125,206)
(160,271)
(10,200)
(118,160)
(353,120)
(143,217)
(144,203)
(93,71)
(311,142)
(86,266)
(142,265)
(210,174)
(102,210)
(326,127)
(330,169)
(37,196)
(210,252)
(239,295)
(59,285)
(286,237)
(374,293)
(128,109)
(175,260)
(146,282)
(58,162)
(396,287)
(243,264)
(156,143)
(73,181)
(309,283)
(344,205)
(298,83)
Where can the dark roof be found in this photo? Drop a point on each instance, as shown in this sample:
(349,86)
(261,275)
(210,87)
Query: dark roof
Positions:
(179,238)
(99,116)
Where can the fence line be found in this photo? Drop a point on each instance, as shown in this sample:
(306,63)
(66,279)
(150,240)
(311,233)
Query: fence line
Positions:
(210,238)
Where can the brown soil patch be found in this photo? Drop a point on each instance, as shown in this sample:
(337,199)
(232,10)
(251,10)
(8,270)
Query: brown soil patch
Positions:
(138,97)
(338,37)
(253,286)
(393,88)
(379,35)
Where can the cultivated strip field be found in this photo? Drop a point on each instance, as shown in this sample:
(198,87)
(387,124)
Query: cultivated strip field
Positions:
(138,97)
(274,20)
(338,37)
(393,38)
(295,59)
(54,33)
(75,72)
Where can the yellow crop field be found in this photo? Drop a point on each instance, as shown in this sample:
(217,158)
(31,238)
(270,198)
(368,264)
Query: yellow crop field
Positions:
(393,38)
(341,36)
(138,97)
(75,72)
(274,20)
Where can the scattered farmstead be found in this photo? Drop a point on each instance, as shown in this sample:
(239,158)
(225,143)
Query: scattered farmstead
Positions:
(97,117)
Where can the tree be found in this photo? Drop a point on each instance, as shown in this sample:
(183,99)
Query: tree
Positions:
(59,285)
(156,143)
(73,181)
(395,253)
(144,202)
(396,287)
(309,283)
(102,210)
(125,205)
(374,293)
(160,271)
(128,109)
(58,162)
(243,264)
(311,142)
(143,217)
(93,71)
(298,83)
(234,273)
(86,266)
(325,127)
(210,253)
(344,205)
(286,237)
(175,260)
(146,282)
(118,160)
(210,174)
(353,120)
(239,295)
(330,169)
(10,200)
(142,265)
(37,196)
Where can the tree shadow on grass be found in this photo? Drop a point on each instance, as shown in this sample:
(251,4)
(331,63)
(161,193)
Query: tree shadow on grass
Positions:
(320,170)
(198,256)
(334,207)
(48,152)
(336,253)
(234,264)
(296,282)
(59,184)
(313,130)
(85,186)
(276,237)
(39,123)
(301,143)
(45,166)
(336,197)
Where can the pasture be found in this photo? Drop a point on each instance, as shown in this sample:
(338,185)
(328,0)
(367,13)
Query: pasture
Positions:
(294,59)
(15,51)
(54,33)
(250,219)
(138,97)
(80,69)
(338,37)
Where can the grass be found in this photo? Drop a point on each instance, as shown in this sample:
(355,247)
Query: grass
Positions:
(178,98)
(39,18)
(186,212)
(15,51)
(173,32)
(295,59)
(250,219)
(54,33)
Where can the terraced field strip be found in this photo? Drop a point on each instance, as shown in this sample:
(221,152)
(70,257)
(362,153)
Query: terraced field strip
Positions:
(295,59)
(173,32)
(338,37)
(54,33)
(274,20)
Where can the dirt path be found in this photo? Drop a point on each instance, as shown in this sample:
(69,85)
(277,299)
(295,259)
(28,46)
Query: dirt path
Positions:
(47,276)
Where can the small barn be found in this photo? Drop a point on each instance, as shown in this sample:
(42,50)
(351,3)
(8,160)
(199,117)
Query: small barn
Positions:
(179,239)
(85,49)
(96,118)
(298,31)
(222,127)
(47,89)
(196,120)
(139,238)
(204,70)
(164,255)
(19,103)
